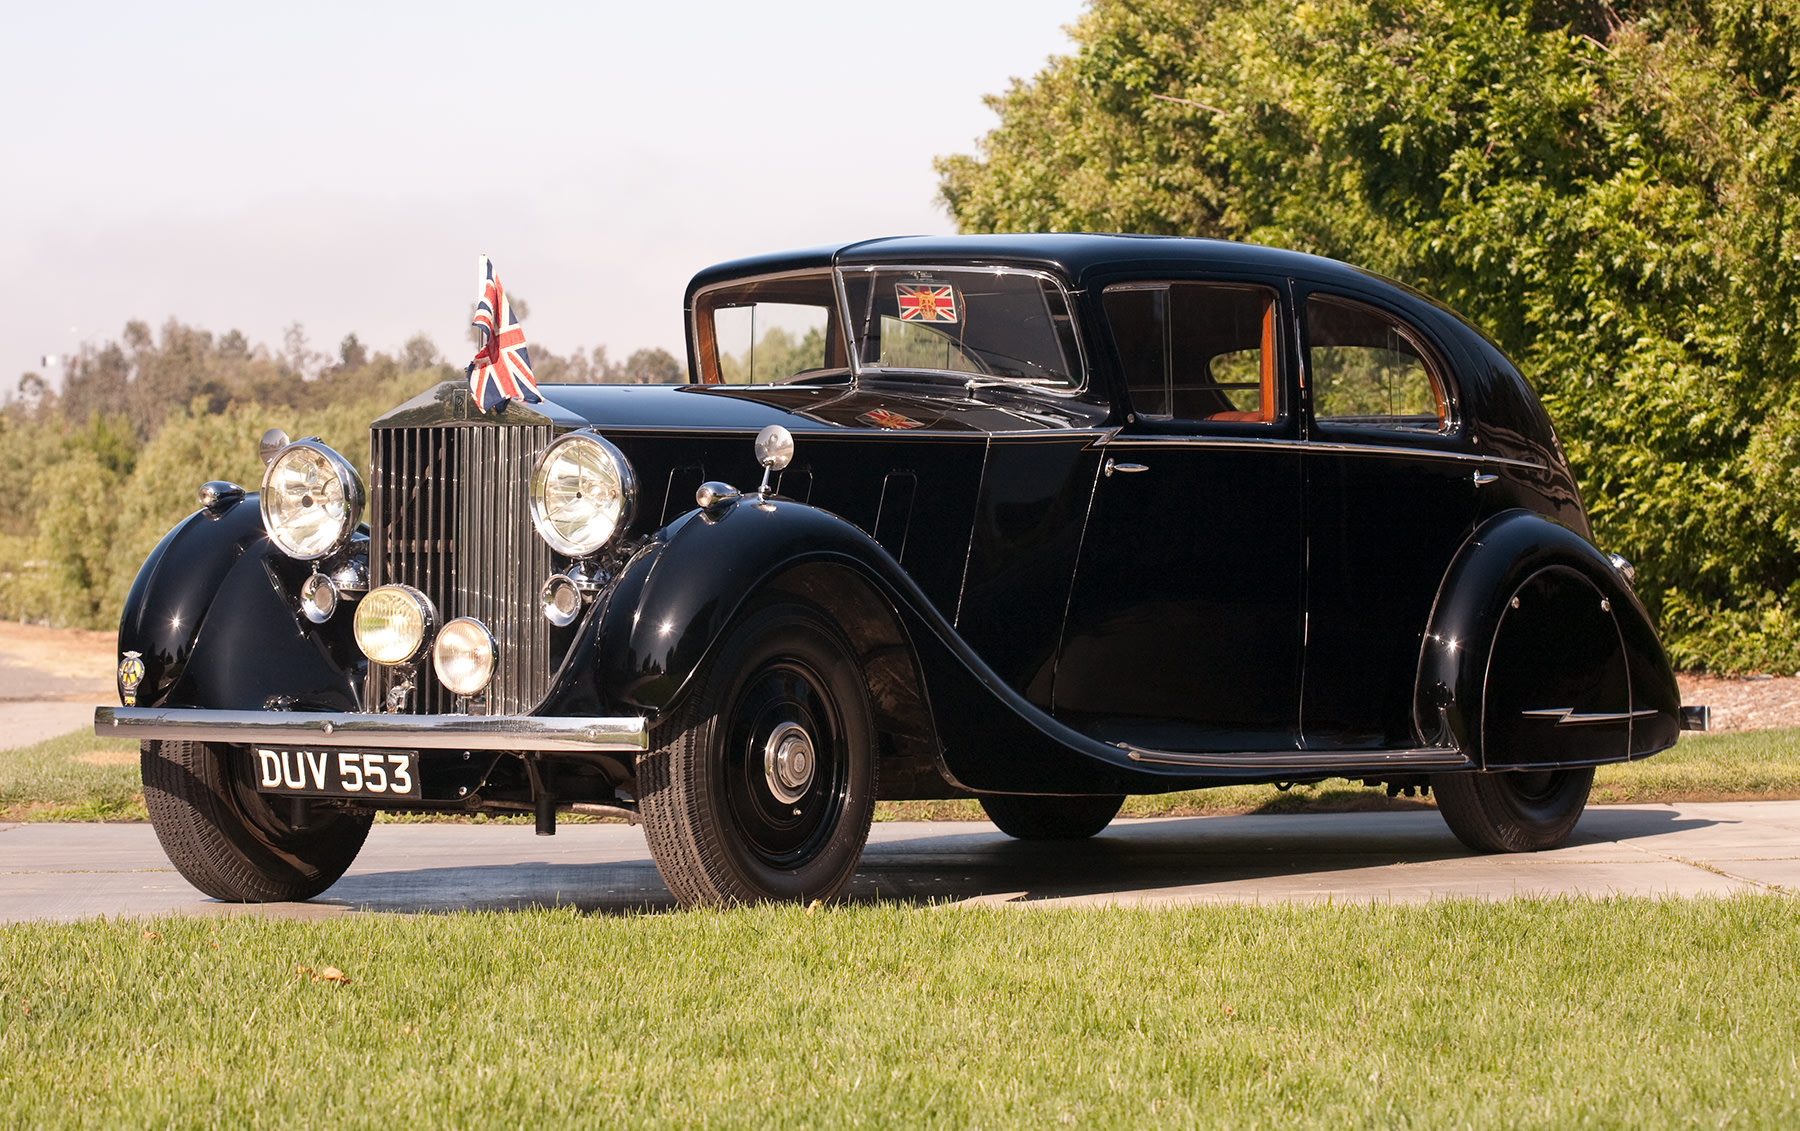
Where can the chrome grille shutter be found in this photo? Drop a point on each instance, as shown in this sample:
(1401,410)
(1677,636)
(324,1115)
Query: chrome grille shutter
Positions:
(450,516)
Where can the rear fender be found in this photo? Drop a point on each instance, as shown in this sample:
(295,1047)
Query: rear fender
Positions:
(1538,653)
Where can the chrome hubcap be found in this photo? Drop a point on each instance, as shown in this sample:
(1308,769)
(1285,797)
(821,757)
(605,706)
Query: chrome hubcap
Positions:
(788,762)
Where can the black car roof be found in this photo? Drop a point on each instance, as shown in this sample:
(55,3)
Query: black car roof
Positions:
(1073,254)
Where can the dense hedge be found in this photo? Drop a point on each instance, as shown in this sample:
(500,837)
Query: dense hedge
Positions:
(1609,192)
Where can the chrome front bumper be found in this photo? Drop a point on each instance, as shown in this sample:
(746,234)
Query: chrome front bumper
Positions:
(380,732)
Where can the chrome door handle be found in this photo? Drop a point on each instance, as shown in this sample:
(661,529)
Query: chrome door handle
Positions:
(1482,478)
(1124,468)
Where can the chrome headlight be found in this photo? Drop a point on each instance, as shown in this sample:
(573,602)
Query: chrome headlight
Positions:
(312,500)
(393,622)
(582,493)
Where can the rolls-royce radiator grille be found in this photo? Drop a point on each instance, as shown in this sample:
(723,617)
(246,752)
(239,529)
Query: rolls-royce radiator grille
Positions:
(450,516)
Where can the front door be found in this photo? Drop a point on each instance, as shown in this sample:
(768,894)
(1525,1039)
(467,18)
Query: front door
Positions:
(1184,623)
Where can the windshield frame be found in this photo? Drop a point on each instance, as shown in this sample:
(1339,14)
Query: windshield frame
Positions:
(972,380)
(701,340)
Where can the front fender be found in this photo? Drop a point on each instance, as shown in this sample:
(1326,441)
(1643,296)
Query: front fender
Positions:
(673,603)
(174,588)
(1524,554)
(211,617)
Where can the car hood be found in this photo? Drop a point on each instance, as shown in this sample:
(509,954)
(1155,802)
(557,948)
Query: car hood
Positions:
(878,406)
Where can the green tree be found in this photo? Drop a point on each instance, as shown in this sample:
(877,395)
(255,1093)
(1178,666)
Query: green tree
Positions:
(1608,192)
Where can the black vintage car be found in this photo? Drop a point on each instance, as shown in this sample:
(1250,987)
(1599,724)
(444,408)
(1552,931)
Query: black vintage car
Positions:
(1045,520)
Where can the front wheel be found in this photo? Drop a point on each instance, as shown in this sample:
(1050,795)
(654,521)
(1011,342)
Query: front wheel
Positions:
(1051,818)
(1513,811)
(761,786)
(227,840)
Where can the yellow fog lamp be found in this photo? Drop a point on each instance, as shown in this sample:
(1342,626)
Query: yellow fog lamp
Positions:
(463,656)
(393,623)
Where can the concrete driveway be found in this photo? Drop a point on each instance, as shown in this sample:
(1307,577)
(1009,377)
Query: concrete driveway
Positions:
(49,682)
(75,871)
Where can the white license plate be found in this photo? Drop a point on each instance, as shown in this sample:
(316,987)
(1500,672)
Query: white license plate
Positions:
(336,773)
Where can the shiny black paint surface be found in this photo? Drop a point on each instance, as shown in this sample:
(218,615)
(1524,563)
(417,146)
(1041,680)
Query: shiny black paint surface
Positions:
(1383,525)
(1496,564)
(1336,595)
(1028,530)
(218,581)
(1184,628)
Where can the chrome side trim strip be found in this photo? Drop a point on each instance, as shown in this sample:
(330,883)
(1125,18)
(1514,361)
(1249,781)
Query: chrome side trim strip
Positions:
(862,435)
(382,732)
(1304,760)
(1567,716)
(1252,444)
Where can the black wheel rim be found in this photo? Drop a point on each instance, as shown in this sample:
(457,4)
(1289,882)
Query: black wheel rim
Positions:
(257,809)
(1534,787)
(780,702)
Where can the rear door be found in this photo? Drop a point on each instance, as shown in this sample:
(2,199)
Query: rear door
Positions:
(1391,495)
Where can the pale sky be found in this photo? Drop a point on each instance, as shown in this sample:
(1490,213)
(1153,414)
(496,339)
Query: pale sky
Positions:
(342,165)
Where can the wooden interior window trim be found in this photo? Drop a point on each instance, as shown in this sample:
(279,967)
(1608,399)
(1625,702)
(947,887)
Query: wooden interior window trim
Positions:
(1265,413)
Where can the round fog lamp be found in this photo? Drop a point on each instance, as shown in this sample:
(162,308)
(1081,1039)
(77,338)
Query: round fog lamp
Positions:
(560,600)
(392,623)
(318,598)
(463,656)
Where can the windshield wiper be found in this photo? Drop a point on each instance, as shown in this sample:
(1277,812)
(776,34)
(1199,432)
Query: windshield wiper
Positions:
(974,383)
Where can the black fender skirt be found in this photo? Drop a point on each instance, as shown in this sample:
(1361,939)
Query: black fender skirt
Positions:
(1540,654)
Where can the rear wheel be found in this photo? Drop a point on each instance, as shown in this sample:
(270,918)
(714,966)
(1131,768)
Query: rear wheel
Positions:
(761,786)
(227,839)
(1514,811)
(1051,818)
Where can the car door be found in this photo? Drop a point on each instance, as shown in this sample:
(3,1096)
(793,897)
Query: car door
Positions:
(1391,495)
(1184,621)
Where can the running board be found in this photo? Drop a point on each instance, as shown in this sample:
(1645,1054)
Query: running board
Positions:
(1305,761)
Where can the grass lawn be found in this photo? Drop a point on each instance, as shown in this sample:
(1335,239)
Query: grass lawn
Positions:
(79,777)
(1524,1013)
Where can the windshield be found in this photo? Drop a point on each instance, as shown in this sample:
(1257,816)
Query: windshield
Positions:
(1008,325)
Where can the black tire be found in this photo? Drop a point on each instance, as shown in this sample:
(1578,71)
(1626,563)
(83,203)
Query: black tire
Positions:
(1051,818)
(1515,811)
(228,840)
(725,825)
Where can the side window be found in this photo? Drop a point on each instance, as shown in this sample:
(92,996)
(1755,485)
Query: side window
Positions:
(769,330)
(1196,351)
(1369,369)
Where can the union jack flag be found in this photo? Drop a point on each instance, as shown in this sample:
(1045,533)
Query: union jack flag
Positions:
(501,370)
(926,302)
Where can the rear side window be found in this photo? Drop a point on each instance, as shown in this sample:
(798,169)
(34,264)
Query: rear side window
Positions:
(1369,369)
(1196,351)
